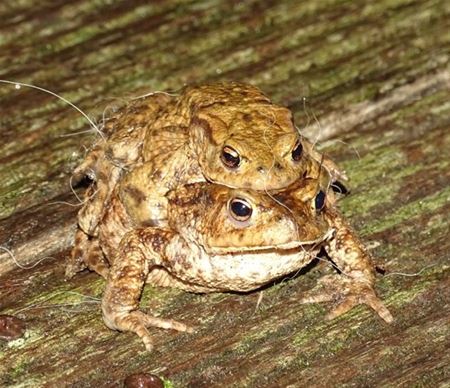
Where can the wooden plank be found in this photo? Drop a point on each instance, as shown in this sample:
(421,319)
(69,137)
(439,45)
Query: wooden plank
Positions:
(375,76)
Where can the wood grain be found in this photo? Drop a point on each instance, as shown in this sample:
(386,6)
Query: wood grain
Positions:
(370,80)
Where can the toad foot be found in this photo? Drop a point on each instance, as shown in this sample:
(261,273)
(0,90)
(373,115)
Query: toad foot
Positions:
(137,322)
(346,293)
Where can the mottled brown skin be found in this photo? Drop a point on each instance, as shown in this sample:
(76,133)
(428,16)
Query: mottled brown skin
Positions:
(204,248)
(117,151)
(160,142)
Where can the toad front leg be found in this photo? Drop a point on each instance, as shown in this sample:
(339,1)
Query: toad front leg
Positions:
(138,252)
(337,175)
(355,283)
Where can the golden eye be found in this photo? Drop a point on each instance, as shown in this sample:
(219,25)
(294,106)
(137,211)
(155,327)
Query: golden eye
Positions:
(240,209)
(230,157)
(297,151)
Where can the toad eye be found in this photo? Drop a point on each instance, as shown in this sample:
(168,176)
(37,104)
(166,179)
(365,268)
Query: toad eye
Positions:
(297,151)
(319,201)
(240,209)
(230,157)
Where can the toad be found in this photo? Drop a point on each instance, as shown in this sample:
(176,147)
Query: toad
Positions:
(219,239)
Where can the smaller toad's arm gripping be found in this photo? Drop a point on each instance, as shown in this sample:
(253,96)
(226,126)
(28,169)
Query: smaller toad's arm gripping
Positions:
(138,252)
(335,172)
(355,284)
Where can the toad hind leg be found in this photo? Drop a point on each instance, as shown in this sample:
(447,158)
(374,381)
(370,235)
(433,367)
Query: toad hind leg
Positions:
(139,250)
(355,284)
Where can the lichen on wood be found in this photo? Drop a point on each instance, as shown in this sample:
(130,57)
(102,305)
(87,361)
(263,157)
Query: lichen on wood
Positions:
(368,79)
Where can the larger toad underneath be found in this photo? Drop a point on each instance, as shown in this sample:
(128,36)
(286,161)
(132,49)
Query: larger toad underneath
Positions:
(221,239)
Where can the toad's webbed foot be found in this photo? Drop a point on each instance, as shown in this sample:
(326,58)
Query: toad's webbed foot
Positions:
(138,322)
(347,293)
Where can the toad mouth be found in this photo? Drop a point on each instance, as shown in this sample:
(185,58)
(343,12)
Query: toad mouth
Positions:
(288,246)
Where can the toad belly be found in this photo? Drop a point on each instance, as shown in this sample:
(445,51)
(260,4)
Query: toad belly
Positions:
(241,271)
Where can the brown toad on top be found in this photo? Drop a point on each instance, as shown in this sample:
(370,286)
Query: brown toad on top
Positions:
(218,239)
(228,133)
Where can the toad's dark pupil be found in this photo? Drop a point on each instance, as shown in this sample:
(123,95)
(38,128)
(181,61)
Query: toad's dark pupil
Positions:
(320,200)
(241,209)
(297,152)
(230,157)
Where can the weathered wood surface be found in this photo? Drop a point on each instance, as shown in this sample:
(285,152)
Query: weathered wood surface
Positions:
(376,80)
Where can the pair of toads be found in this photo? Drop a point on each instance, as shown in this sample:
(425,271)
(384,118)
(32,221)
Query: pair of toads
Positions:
(211,190)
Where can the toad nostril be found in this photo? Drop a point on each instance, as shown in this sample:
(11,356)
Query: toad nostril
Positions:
(261,169)
(278,166)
